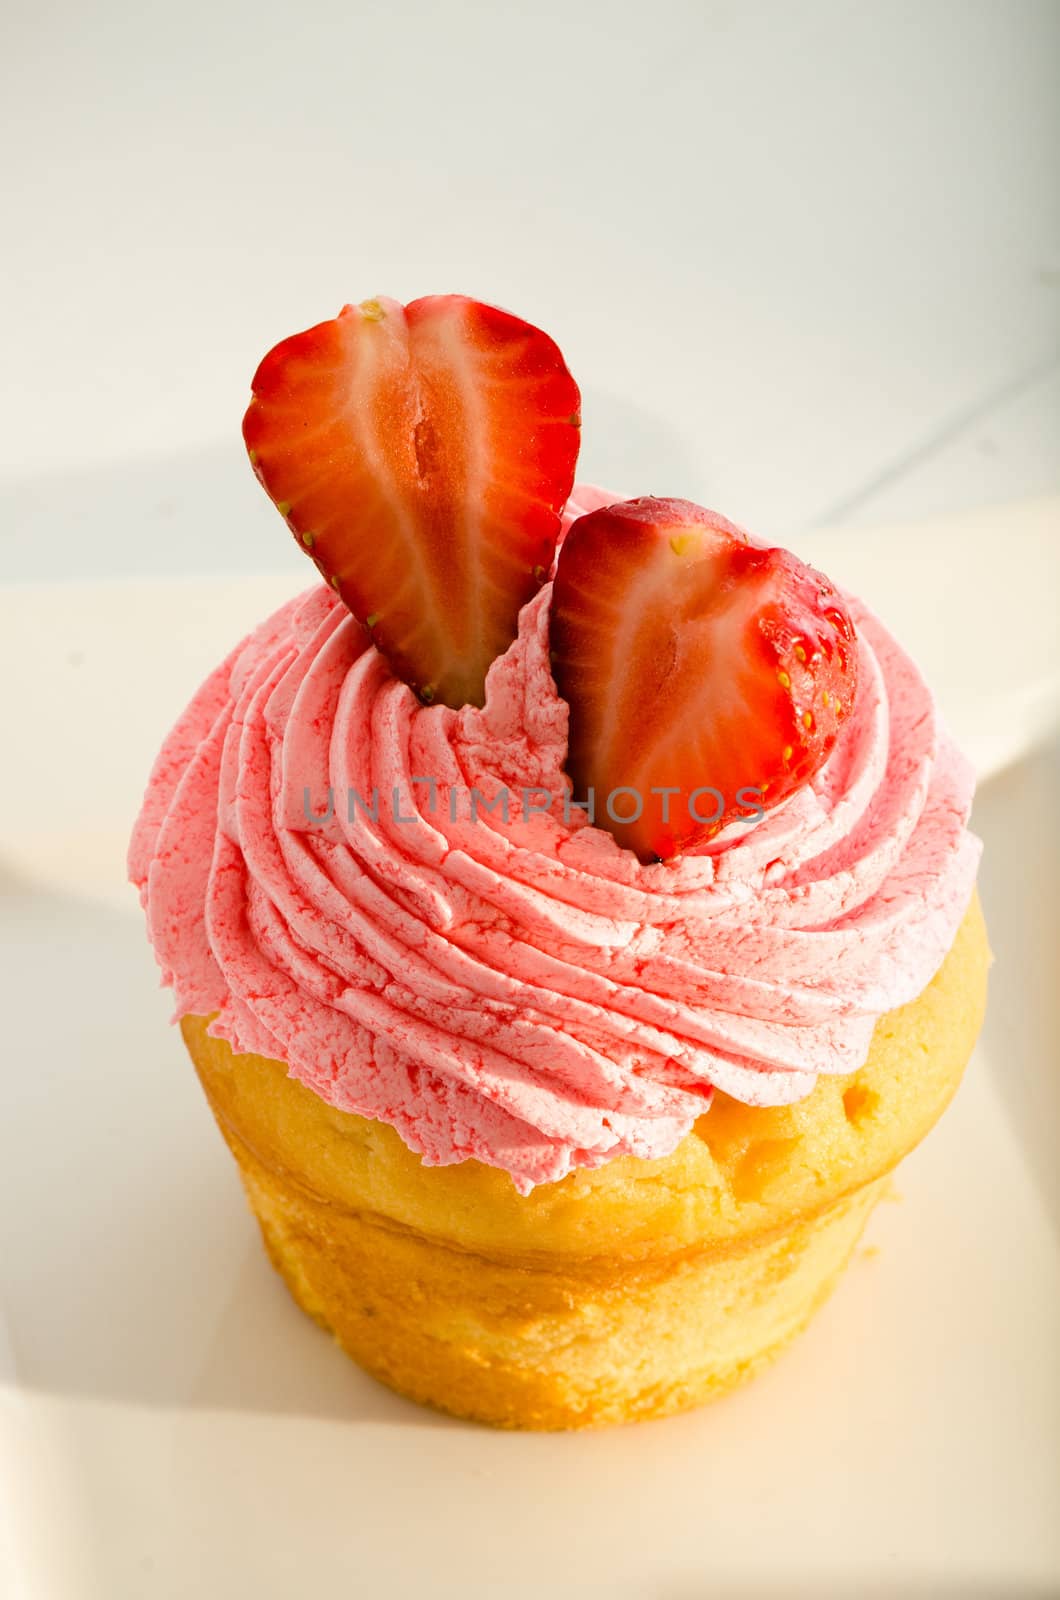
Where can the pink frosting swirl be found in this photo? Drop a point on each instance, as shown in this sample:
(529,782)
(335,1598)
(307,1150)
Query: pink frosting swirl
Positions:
(523,991)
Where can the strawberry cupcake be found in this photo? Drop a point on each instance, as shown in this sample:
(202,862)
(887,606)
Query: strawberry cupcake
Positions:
(569,902)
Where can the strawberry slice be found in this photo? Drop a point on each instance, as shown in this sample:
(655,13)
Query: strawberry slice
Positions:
(422,455)
(692,659)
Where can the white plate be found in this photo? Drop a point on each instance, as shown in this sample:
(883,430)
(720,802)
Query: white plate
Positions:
(170,1424)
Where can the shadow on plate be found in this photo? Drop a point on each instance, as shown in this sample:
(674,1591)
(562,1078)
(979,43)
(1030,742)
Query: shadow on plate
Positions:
(1021,896)
(131,1266)
(144,518)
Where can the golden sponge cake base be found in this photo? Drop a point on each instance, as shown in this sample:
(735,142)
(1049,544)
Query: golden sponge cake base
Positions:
(633,1291)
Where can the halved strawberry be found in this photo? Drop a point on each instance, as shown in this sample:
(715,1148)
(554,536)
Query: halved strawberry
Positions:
(692,659)
(422,455)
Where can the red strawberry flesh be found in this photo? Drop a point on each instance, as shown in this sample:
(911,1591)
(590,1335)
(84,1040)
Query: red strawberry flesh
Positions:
(422,455)
(693,658)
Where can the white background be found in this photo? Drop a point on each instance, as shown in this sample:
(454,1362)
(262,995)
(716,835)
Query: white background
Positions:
(791,251)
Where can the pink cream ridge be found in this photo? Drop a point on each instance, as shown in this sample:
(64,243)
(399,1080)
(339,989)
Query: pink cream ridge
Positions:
(529,994)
